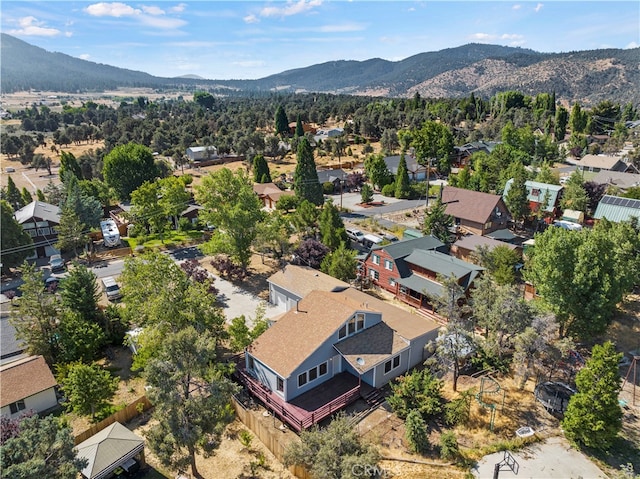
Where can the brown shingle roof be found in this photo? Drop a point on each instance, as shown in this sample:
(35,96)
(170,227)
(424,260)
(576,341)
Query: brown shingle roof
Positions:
(469,205)
(24,378)
(298,334)
(371,346)
(471,242)
(301,280)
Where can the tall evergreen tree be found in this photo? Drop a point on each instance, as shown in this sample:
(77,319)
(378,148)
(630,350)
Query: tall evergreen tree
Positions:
(282,124)
(261,172)
(560,128)
(68,163)
(517,198)
(305,178)
(15,243)
(299,128)
(71,232)
(12,195)
(437,222)
(26,196)
(593,417)
(402,180)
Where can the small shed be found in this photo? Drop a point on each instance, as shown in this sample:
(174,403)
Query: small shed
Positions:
(573,216)
(112,449)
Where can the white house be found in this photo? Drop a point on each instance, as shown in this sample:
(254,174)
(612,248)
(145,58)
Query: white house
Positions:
(199,153)
(26,384)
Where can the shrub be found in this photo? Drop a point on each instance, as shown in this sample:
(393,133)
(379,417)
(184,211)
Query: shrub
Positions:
(245,438)
(389,190)
(449,450)
(416,432)
(327,188)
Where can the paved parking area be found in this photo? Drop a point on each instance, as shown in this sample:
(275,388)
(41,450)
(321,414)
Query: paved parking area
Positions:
(553,459)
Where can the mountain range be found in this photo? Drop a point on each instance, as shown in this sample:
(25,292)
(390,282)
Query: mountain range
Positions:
(587,76)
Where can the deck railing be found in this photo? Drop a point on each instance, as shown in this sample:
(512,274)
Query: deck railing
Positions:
(287,413)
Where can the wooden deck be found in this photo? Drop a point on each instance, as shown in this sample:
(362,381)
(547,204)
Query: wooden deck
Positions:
(311,407)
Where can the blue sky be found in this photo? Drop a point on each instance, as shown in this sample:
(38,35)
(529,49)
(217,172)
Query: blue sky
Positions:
(247,40)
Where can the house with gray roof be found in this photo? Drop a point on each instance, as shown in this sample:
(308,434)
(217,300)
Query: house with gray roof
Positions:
(199,153)
(333,348)
(617,209)
(411,270)
(40,220)
(465,247)
(596,163)
(416,171)
(618,179)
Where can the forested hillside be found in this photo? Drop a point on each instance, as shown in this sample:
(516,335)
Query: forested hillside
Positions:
(587,76)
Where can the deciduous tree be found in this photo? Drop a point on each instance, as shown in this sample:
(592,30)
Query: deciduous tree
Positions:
(434,141)
(341,263)
(331,227)
(87,387)
(127,167)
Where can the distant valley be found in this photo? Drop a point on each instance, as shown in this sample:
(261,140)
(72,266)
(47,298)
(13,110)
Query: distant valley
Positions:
(585,76)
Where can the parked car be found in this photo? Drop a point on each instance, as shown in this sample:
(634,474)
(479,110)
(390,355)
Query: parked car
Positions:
(56,263)
(111,288)
(355,235)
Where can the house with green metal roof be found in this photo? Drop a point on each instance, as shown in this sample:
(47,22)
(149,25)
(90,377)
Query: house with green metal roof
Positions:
(540,195)
(617,209)
(413,269)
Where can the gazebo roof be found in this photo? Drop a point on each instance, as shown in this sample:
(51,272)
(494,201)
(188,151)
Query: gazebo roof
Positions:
(108,449)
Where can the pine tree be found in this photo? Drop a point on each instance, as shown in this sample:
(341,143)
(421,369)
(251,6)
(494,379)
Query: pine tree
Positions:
(282,124)
(68,163)
(12,195)
(26,196)
(437,222)
(331,226)
(299,128)
(261,172)
(305,178)
(593,417)
(402,180)
(517,198)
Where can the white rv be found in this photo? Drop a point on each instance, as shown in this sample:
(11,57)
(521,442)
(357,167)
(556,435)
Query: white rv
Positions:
(110,233)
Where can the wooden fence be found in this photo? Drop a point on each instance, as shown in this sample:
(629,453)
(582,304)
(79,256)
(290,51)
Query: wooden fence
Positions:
(275,440)
(122,416)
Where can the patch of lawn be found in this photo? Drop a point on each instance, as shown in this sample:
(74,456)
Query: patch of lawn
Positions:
(170,239)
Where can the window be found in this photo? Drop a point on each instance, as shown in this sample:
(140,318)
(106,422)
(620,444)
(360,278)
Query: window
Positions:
(280,384)
(313,374)
(403,289)
(351,326)
(302,379)
(323,369)
(391,364)
(359,321)
(374,274)
(17,406)
(343,332)
(375,258)
(388,264)
(392,282)
(251,363)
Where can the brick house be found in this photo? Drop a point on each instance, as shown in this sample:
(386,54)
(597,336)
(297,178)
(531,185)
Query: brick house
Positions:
(475,212)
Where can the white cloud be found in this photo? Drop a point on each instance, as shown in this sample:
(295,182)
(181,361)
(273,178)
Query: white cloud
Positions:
(115,9)
(251,18)
(178,8)
(31,26)
(517,7)
(482,37)
(153,10)
(84,56)
(291,8)
(513,39)
(632,45)
(511,36)
(162,22)
(538,7)
(68,34)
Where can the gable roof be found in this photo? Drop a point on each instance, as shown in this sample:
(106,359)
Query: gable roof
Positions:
(265,188)
(470,205)
(400,249)
(301,280)
(471,242)
(371,346)
(38,209)
(393,162)
(617,209)
(617,178)
(299,333)
(329,176)
(537,191)
(23,378)
(443,264)
(107,449)
(603,162)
